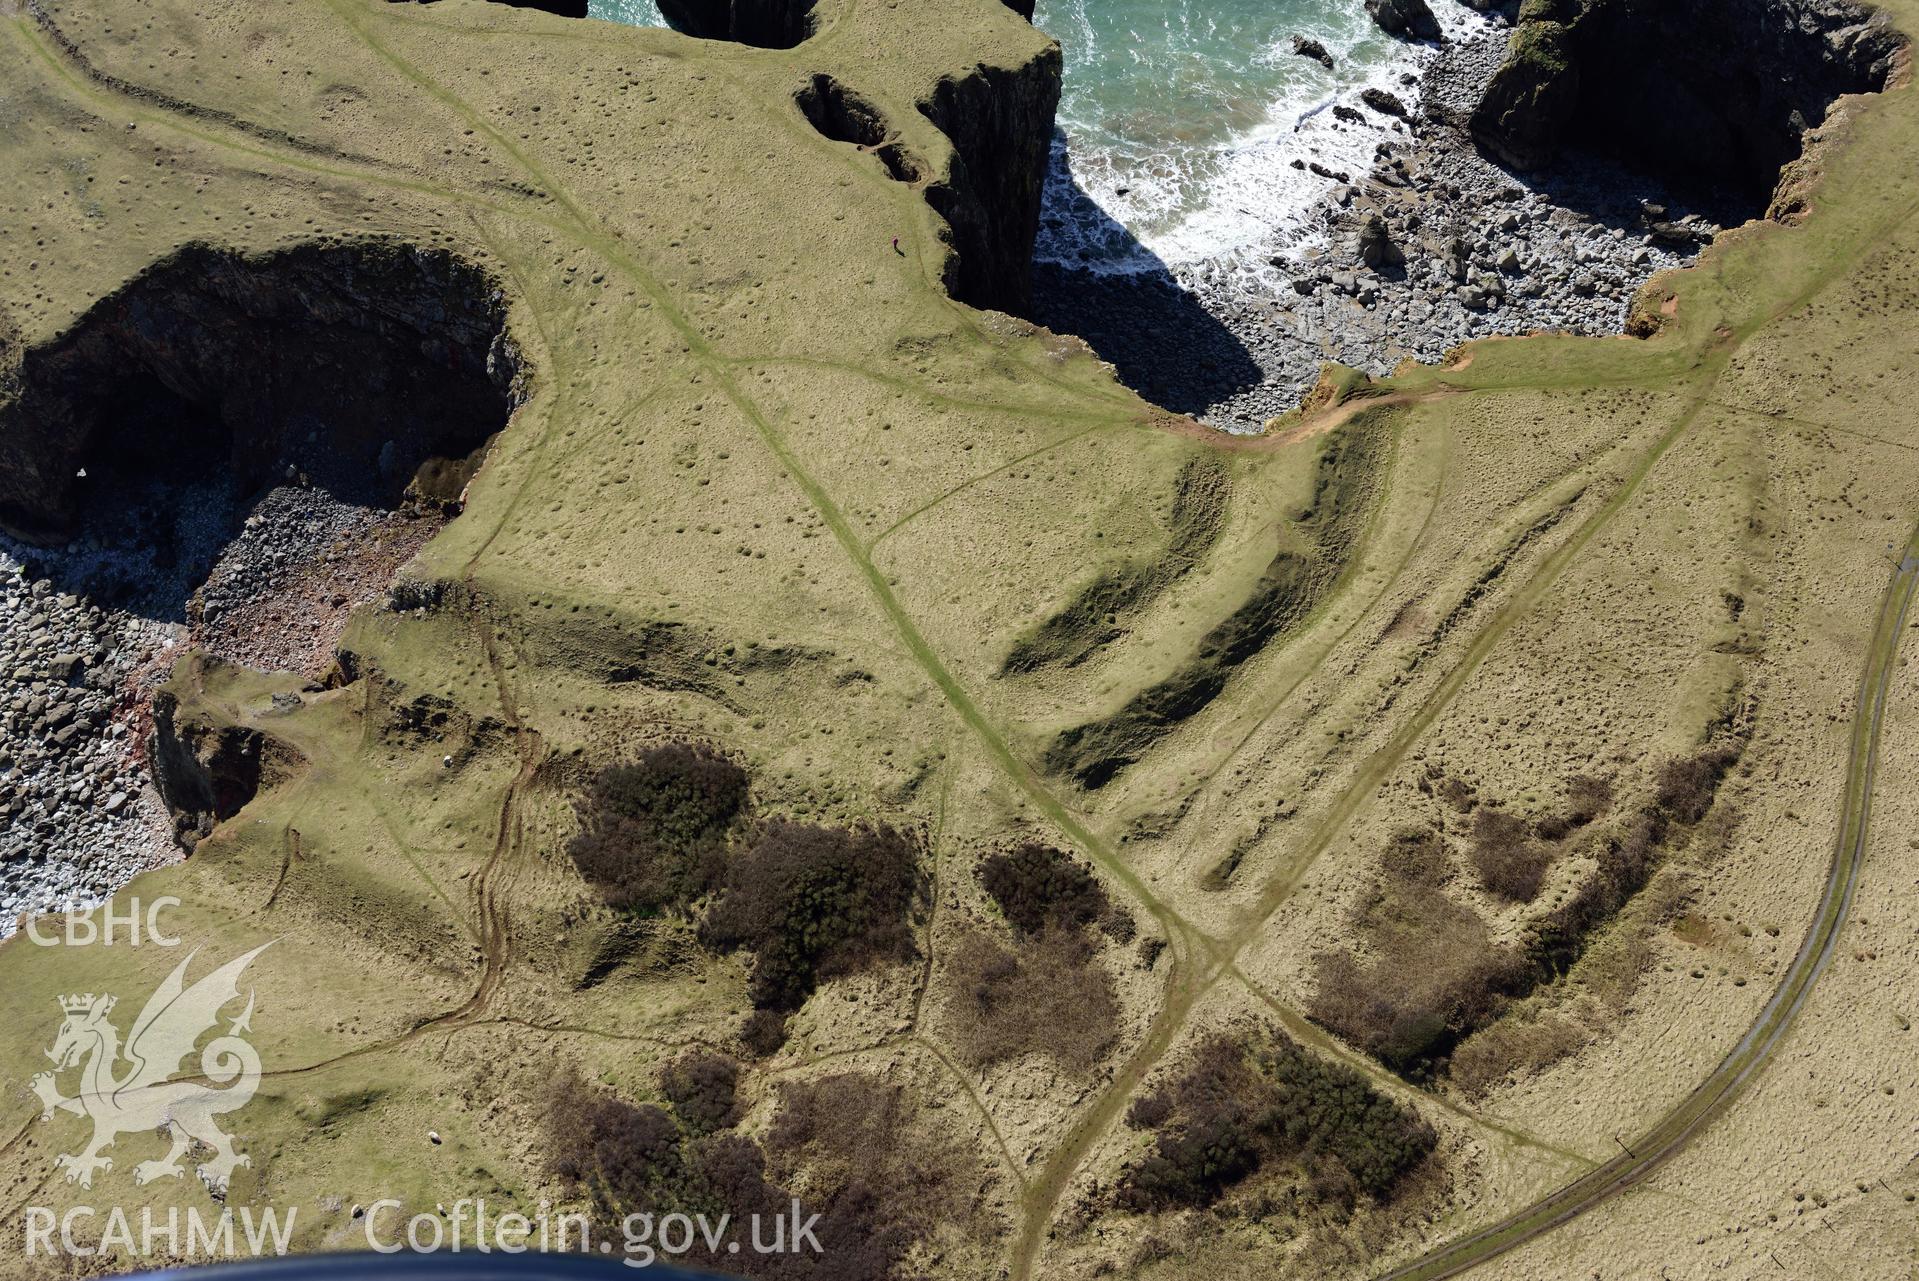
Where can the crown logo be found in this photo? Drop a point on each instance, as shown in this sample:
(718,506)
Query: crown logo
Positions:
(84,1003)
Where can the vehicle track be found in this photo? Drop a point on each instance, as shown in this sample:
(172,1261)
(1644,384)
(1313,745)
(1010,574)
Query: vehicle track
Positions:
(1716,1094)
(1186,986)
(1182,999)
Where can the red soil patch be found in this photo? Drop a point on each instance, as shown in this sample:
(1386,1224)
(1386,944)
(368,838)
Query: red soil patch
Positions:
(297,628)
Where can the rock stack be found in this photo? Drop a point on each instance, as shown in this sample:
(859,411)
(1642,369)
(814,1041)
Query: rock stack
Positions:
(1407,19)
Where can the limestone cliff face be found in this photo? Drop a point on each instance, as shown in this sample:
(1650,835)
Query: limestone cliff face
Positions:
(770,24)
(205,770)
(208,765)
(351,364)
(564,8)
(1000,121)
(1717,91)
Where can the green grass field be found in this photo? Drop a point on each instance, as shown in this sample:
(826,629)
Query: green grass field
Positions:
(772,489)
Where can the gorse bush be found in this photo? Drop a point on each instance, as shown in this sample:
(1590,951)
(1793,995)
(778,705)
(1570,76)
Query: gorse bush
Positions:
(654,831)
(1586,799)
(625,1157)
(1624,863)
(1037,886)
(1689,785)
(763,1032)
(1192,1166)
(891,1180)
(1326,1107)
(1511,864)
(1512,857)
(1427,989)
(1151,1110)
(669,829)
(703,1088)
(1241,1107)
(1049,993)
(634,1159)
(1416,856)
(814,902)
(1435,975)
(1686,789)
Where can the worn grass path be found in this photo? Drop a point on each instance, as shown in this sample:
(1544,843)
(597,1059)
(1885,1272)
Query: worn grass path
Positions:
(1713,1097)
(1202,959)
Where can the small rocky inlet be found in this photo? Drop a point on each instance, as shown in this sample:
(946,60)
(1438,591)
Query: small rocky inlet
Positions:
(1546,160)
(998,118)
(1000,121)
(564,8)
(232,453)
(365,369)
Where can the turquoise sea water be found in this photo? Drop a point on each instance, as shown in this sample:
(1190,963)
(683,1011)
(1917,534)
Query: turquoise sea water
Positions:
(1180,120)
(638,13)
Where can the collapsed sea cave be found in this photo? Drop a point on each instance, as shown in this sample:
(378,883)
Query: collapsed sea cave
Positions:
(1713,94)
(769,24)
(563,8)
(140,441)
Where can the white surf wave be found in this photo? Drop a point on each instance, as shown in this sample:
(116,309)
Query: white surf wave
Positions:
(1225,206)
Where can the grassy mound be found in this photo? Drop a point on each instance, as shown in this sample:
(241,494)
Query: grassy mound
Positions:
(1103,610)
(1293,584)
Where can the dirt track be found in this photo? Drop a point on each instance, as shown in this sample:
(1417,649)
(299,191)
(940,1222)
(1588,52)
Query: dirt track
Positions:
(1714,1096)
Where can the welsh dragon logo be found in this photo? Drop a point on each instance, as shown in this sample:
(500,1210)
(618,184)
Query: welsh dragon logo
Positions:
(146,1095)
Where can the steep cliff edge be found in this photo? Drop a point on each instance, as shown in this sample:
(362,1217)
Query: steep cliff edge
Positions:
(998,118)
(206,764)
(1000,122)
(1715,92)
(769,24)
(354,364)
(561,8)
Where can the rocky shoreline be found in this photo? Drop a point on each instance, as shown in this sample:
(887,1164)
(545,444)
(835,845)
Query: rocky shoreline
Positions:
(1434,246)
(80,814)
(1431,246)
(230,454)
